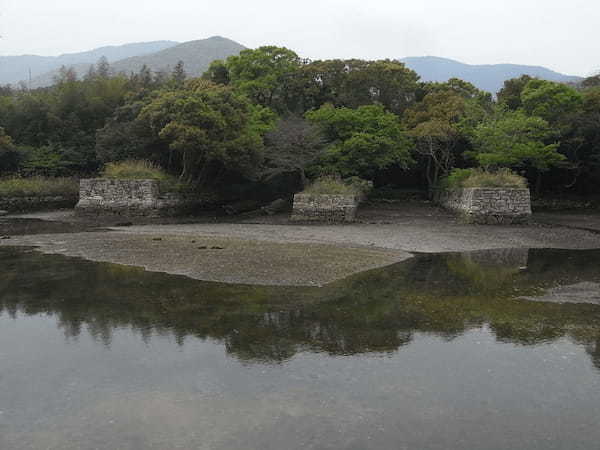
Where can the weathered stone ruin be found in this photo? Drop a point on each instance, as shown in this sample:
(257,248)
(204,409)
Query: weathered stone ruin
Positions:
(126,197)
(325,208)
(488,205)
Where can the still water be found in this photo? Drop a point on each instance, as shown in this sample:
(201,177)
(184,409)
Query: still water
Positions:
(451,351)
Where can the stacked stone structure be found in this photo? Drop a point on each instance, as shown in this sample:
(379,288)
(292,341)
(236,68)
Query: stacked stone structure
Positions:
(126,197)
(325,208)
(488,205)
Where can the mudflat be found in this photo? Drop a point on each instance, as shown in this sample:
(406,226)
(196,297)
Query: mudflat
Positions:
(271,251)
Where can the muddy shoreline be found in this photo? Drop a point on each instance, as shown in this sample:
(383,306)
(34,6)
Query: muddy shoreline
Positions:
(271,251)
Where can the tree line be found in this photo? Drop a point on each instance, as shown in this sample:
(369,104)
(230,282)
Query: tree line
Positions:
(269,111)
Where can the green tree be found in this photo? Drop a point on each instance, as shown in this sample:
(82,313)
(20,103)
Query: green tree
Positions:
(362,141)
(551,101)
(209,128)
(510,94)
(179,74)
(515,140)
(10,157)
(217,72)
(261,74)
(442,122)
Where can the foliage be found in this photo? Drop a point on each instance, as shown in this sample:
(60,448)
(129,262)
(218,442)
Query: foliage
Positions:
(260,74)
(207,128)
(513,139)
(10,157)
(352,83)
(143,170)
(510,94)
(553,102)
(33,186)
(443,120)
(362,140)
(336,186)
(466,178)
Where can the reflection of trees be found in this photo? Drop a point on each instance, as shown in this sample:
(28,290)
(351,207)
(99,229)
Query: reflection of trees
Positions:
(377,311)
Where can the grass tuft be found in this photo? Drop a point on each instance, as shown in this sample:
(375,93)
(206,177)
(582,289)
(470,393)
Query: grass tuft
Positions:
(336,186)
(143,170)
(471,178)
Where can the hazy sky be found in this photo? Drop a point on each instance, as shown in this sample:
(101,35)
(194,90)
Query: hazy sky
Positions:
(563,35)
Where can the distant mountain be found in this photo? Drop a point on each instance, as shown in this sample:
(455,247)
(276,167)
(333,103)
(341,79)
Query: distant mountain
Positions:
(488,77)
(196,56)
(16,68)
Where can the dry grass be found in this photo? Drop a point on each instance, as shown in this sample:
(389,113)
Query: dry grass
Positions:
(143,170)
(470,178)
(333,186)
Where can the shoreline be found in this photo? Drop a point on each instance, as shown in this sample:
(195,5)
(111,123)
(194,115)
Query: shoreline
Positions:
(269,251)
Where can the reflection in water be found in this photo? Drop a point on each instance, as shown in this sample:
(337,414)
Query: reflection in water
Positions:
(377,311)
(437,352)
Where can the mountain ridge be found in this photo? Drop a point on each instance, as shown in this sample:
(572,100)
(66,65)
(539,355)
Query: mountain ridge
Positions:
(487,77)
(15,68)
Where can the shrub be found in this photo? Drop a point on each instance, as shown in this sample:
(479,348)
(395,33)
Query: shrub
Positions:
(143,170)
(337,186)
(468,178)
(38,186)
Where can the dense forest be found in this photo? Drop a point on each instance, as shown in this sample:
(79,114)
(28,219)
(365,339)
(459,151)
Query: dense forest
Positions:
(268,113)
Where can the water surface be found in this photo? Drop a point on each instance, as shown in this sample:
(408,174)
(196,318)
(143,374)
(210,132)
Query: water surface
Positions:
(436,352)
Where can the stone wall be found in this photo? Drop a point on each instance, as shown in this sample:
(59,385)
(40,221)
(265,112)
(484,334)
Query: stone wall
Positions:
(488,205)
(128,198)
(324,208)
(34,203)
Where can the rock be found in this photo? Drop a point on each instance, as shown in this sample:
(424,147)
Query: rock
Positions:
(4,237)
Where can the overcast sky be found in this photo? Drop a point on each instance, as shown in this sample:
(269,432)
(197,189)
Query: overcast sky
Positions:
(563,35)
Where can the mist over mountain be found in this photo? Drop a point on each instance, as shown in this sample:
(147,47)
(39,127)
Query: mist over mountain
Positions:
(488,77)
(16,68)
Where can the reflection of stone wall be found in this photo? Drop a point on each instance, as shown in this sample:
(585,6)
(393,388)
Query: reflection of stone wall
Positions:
(324,208)
(33,203)
(127,197)
(488,205)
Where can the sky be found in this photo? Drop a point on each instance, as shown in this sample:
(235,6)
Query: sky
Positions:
(558,34)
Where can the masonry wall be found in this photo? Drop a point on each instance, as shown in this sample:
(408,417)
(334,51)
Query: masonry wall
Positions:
(488,205)
(126,197)
(324,208)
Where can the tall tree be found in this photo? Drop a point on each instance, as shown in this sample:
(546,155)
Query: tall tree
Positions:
(262,74)
(362,140)
(179,74)
(510,94)
(208,128)
(514,139)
